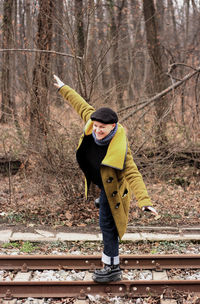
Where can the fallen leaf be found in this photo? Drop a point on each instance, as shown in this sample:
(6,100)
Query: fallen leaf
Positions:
(68,215)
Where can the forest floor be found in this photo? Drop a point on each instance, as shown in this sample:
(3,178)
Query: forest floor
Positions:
(25,199)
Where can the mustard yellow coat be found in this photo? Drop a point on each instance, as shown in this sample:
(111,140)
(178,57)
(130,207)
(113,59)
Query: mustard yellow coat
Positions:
(119,173)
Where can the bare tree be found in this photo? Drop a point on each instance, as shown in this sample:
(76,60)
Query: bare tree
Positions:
(7,103)
(159,79)
(91,39)
(115,21)
(59,43)
(80,38)
(102,44)
(39,108)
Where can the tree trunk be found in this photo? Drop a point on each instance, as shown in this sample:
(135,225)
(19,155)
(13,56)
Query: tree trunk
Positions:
(101,45)
(7,104)
(115,22)
(28,68)
(13,76)
(137,62)
(39,108)
(159,80)
(124,42)
(91,40)
(175,36)
(160,16)
(59,42)
(80,38)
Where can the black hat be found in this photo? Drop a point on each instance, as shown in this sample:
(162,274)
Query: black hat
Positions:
(105,115)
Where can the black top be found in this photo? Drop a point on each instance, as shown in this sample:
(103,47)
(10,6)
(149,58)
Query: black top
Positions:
(89,157)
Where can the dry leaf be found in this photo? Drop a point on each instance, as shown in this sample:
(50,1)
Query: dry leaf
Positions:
(68,215)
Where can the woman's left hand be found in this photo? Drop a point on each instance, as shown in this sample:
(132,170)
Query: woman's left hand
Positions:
(151,209)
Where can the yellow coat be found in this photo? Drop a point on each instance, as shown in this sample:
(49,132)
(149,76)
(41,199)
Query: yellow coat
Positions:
(119,173)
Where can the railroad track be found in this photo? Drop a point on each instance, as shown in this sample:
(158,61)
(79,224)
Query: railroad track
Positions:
(22,268)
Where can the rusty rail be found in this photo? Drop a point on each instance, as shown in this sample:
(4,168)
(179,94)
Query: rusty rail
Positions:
(80,289)
(67,262)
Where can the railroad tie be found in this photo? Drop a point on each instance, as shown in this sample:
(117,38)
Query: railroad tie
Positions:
(23,276)
(159,275)
(77,301)
(13,301)
(168,301)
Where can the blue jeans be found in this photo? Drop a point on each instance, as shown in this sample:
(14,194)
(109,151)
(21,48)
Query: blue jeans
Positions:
(109,232)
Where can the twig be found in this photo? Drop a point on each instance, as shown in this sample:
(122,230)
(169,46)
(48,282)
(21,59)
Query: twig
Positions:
(175,64)
(40,51)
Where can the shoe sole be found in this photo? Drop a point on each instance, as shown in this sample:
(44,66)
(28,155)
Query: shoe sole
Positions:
(112,278)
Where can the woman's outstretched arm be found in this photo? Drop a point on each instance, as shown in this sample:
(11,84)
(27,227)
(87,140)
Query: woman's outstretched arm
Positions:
(83,108)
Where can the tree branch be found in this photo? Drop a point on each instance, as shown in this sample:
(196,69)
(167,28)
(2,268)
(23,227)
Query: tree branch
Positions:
(161,94)
(40,51)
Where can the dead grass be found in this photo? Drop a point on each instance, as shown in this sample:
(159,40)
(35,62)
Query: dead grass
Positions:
(37,197)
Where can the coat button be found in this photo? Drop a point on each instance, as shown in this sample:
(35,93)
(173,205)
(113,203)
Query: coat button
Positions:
(114,193)
(109,180)
(117,205)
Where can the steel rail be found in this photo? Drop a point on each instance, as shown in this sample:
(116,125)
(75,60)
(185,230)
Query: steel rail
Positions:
(90,262)
(80,289)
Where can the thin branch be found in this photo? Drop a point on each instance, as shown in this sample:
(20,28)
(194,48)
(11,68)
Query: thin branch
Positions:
(40,51)
(163,93)
(175,64)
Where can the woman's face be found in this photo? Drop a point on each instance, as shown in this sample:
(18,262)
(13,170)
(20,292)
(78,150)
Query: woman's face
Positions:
(101,130)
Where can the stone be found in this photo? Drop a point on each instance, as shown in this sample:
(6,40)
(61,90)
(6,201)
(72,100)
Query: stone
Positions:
(61,236)
(47,234)
(88,276)
(32,237)
(5,235)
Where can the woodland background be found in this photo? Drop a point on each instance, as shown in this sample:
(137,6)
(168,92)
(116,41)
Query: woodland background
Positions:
(142,58)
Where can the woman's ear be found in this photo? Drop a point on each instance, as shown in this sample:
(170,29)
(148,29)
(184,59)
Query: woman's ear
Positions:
(113,125)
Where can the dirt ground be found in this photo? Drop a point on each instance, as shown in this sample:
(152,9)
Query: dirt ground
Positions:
(32,199)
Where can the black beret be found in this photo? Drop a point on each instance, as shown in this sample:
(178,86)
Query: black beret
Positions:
(105,115)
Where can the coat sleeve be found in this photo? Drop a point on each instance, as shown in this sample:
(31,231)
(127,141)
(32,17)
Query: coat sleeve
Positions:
(83,109)
(135,180)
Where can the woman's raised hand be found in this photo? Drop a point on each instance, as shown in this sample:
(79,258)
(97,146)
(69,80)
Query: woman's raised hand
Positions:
(58,83)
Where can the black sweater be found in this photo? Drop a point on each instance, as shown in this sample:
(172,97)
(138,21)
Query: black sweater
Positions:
(89,157)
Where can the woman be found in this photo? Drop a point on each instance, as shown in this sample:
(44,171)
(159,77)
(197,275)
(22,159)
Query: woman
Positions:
(105,158)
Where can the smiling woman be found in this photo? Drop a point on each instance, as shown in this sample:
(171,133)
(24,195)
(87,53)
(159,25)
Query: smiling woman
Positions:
(105,158)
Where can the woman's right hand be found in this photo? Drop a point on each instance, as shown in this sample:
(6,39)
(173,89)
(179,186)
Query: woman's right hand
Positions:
(58,83)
